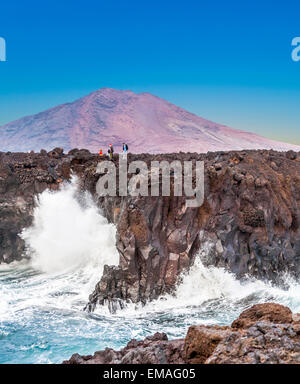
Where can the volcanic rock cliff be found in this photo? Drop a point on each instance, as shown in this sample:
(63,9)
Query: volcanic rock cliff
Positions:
(249,222)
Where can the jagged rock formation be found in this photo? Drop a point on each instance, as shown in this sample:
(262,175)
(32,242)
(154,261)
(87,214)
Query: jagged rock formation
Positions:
(249,222)
(155,349)
(22,176)
(263,334)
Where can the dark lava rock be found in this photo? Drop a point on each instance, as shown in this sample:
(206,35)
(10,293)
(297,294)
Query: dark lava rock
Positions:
(268,336)
(271,312)
(153,350)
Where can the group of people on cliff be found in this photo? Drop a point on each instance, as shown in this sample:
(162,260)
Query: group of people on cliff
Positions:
(110,151)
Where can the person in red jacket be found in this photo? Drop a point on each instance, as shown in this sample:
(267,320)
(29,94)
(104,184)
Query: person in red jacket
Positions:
(101,153)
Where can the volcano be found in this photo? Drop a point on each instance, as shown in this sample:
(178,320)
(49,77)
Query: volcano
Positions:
(145,122)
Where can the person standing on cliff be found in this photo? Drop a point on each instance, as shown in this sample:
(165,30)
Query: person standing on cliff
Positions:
(125,150)
(111,152)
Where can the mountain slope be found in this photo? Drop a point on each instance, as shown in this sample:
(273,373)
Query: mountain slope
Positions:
(146,122)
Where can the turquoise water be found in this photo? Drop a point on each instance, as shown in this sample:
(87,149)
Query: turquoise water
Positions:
(42,318)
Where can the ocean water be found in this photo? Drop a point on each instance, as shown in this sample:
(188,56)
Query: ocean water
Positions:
(42,300)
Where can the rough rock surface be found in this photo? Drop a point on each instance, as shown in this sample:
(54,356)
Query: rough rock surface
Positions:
(155,349)
(22,177)
(274,313)
(249,222)
(201,341)
(273,339)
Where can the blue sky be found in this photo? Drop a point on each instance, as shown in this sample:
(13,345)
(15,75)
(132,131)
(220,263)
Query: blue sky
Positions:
(227,61)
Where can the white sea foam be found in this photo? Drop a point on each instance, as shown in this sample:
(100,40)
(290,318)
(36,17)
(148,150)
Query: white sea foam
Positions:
(69,242)
(68,234)
(219,290)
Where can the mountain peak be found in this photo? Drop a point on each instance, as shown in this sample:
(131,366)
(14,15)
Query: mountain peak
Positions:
(145,122)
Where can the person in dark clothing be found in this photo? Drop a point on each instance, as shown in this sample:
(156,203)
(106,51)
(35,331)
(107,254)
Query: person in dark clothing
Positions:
(111,151)
(125,149)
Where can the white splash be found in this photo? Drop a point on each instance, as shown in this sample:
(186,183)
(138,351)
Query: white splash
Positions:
(217,288)
(69,243)
(211,283)
(67,233)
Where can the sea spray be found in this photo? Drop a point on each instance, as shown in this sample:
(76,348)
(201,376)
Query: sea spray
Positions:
(208,283)
(68,233)
(217,289)
(43,321)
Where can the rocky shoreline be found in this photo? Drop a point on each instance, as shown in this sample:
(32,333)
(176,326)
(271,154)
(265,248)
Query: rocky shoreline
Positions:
(263,334)
(249,222)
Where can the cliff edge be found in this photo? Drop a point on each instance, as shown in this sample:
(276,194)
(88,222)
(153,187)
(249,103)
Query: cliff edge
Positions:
(249,222)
